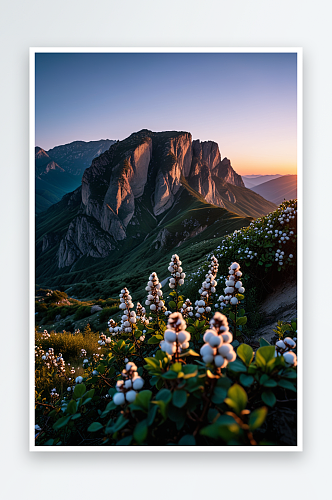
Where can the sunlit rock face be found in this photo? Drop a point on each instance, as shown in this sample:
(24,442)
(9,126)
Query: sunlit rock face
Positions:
(135,180)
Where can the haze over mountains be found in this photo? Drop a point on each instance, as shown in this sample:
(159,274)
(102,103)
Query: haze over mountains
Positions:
(139,200)
(251,181)
(278,190)
(59,170)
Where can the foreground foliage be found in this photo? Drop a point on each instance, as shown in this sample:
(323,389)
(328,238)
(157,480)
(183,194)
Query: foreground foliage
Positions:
(193,381)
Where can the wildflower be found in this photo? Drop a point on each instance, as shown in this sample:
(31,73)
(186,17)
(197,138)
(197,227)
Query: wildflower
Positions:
(176,337)
(217,349)
(129,385)
(177,274)
(79,380)
(207,288)
(155,295)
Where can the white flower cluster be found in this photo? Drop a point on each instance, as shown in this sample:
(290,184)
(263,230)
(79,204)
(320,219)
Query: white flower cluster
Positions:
(141,314)
(177,274)
(54,395)
(208,287)
(128,319)
(187,309)
(233,286)
(155,295)
(283,348)
(176,337)
(113,327)
(83,353)
(52,361)
(217,349)
(45,335)
(287,215)
(129,385)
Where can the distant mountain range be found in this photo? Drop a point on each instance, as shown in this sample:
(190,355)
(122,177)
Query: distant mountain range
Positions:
(138,201)
(278,190)
(251,181)
(59,170)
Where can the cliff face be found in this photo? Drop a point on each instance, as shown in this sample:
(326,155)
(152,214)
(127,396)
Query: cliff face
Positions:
(137,180)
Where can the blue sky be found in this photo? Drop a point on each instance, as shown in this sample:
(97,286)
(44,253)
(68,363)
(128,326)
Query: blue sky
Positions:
(246,102)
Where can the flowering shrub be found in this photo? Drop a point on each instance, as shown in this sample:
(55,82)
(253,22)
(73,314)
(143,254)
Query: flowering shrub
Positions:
(201,385)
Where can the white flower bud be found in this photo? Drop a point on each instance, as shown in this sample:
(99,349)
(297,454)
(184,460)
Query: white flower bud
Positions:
(122,306)
(208,358)
(79,380)
(241,289)
(290,358)
(183,336)
(215,341)
(119,398)
(219,361)
(238,284)
(138,383)
(289,342)
(281,344)
(170,336)
(234,301)
(152,307)
(206,350)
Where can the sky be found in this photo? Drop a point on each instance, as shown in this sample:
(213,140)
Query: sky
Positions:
(246,102)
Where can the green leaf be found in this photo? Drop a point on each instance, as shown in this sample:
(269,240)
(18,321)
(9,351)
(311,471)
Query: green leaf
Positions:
(110,406)
(188,353)
(79,390)
(61,422)
(246,353)
(71,407)
(264,355)
(179,398)
(125,441)
(257,418)
(270,383)
(246,380)
(269,398)
(176,367)
(143,399)
(241,321)
(235,343)
(154,340)
(219,395)
(239,296)
(241,312)
(101,369)
(232,315)
(170,375)
(95,426)
(237,398)
(164,395)
(187,440)
(151,414)
(76,416)
(237,366)
(172,304)
(141,431)
(263,342)
(287,384)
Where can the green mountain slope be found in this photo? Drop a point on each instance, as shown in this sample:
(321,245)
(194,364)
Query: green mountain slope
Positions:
(247,202)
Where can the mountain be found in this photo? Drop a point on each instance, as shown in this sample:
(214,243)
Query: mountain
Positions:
(251,181)
(59,170)
(139,200)
(78,155)
(278,190)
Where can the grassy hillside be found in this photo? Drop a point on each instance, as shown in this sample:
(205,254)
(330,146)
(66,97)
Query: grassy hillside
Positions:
(52,187)
(191,224)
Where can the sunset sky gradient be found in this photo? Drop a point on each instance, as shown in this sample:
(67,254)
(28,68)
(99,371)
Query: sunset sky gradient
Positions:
(246,102)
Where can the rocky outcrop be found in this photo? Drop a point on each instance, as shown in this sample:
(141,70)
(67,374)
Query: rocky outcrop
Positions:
(207,164)
(83,237)
(225,171)
(176,161)
(140,174)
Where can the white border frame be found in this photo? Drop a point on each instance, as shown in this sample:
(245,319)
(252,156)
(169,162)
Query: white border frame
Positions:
(299,52)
